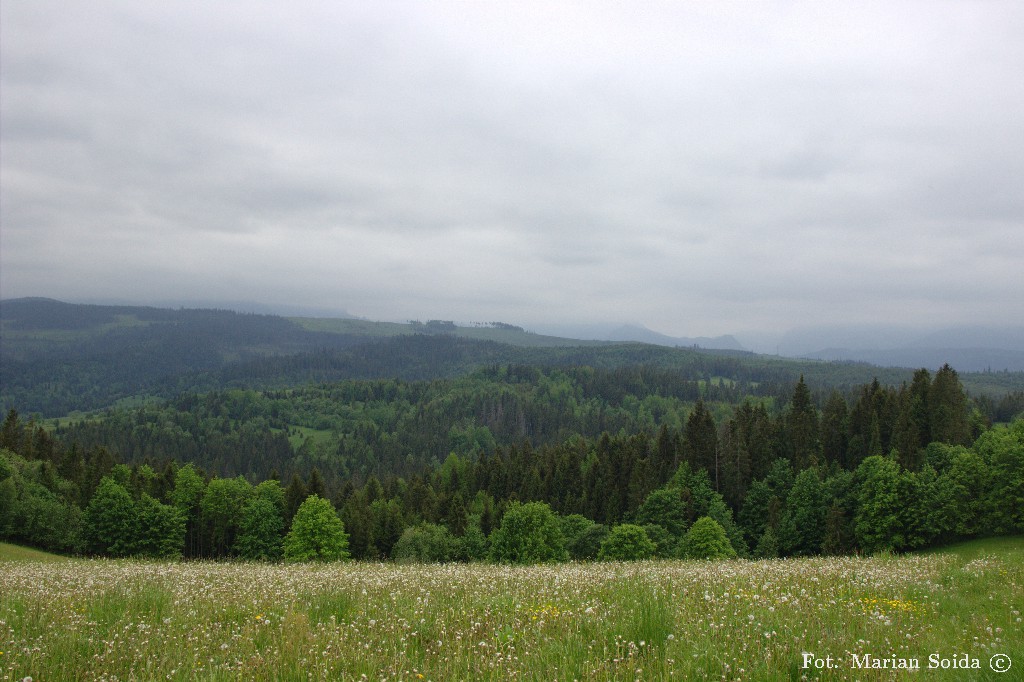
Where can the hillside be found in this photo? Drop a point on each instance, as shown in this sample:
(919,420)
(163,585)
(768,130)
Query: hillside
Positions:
(57,358)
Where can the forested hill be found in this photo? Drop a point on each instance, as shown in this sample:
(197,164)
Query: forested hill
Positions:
(57,358)
(429,429)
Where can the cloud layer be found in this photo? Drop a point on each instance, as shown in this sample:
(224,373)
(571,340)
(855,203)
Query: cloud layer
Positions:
(700,168)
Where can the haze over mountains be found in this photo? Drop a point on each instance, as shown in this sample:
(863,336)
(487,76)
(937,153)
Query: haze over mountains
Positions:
(969,348)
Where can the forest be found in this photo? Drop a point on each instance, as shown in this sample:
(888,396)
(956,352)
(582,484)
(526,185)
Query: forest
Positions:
(523,463)
(58,358)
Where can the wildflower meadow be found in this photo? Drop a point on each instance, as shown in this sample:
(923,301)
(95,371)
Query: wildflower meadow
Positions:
(816,618)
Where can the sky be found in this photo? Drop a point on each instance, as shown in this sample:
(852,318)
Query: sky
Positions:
(700,168)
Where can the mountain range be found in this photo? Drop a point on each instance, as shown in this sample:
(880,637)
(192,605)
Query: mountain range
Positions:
(57,357)
(968,348)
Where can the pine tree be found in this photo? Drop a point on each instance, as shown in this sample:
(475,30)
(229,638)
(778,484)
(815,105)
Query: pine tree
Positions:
(834,441)
(666,453)
(947,409)
(294,495)
(802,428)
(11,433)
(315,485)
(700,441)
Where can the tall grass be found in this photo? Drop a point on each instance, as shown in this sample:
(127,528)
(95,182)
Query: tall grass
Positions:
(648,620)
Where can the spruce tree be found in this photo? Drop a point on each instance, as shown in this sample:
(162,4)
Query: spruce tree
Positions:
(947,409)
(700,442)
(802,428)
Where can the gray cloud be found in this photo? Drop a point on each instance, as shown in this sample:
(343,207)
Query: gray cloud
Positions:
(698,168)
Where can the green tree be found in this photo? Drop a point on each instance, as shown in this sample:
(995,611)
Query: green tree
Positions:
(802,428)
(473,543)
(425,543)
(706,539)
(358,520)
(294,495)
(8,494)
(315,485)
(700,441)
(574,527)
(1002,450)
(947,409)
(221,510)
(387,525)
(965,485)
(840,496)
(111,522)
(271,491)
(317,534)
(925,513)
(627,542)
(879,505)
(260,529)
(161,529)
(583,537)
(768,545)
(529,533)
(187,496)
(37,507)
(834,427)
(664,507)
(912,429)
(803,522)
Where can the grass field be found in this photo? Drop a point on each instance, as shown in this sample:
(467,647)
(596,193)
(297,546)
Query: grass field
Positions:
(10,552)
(739,620)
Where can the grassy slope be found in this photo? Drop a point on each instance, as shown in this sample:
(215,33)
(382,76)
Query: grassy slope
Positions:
(1010,548)
(10,552)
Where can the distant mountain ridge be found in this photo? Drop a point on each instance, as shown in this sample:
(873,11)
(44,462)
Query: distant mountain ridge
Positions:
(628,332)
(639,334)
(57,357)
(965,359)
(968,348)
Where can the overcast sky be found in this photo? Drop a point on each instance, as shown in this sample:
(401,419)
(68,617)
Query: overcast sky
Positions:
(697,167)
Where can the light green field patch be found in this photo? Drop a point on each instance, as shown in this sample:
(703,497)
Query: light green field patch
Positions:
(300,434)
(10,552)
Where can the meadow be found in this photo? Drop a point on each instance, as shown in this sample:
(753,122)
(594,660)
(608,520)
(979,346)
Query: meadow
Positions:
(736,620)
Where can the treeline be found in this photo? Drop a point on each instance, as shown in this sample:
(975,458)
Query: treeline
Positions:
(889,468)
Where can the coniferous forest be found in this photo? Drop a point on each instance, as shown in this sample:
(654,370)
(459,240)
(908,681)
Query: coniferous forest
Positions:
(478,450)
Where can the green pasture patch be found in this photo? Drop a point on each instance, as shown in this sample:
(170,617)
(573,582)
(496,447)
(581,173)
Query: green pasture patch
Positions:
(9,552)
